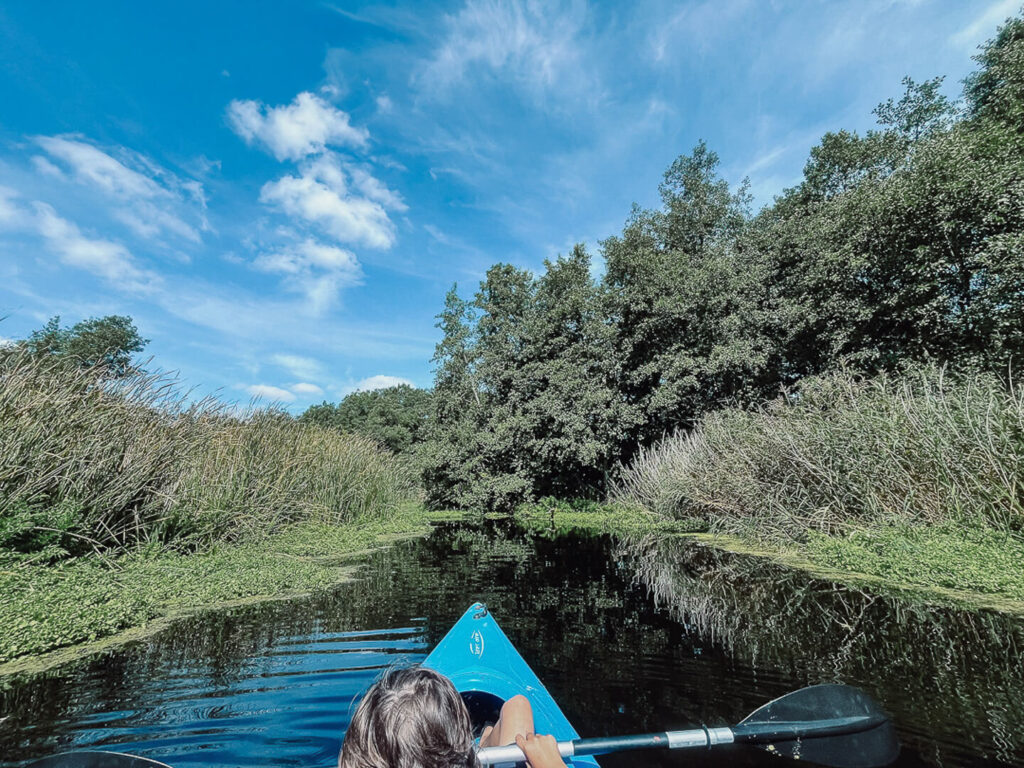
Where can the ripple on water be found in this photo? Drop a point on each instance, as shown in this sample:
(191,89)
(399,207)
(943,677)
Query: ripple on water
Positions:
(286,705)
(648,636)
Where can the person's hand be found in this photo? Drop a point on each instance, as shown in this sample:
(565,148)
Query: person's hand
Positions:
(541,750)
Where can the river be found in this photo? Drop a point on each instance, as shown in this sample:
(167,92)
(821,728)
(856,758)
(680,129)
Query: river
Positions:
(628,636)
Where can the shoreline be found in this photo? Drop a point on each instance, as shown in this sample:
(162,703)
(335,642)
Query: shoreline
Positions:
(306,558)
(797,559)
(810,558)
(298,561)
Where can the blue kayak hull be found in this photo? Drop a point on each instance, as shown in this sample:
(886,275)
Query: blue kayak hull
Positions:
(478,657)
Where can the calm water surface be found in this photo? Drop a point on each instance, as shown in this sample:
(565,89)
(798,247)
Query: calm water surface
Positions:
(628,637)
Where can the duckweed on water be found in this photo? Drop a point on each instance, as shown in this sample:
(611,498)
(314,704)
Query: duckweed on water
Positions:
(980,560)
(581,516)
(46,607)
(965,566)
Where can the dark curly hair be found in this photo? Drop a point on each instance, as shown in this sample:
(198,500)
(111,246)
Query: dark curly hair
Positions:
(412,717)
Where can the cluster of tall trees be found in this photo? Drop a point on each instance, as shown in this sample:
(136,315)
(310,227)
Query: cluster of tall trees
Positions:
(900,246)
(395,417)
(108,344)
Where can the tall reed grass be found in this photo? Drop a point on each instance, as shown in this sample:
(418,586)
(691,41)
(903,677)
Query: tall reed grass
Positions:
(845,453)
(89,462)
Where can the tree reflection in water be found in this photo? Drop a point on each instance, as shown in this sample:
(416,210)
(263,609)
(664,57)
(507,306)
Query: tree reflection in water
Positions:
(628,637)
(953,678)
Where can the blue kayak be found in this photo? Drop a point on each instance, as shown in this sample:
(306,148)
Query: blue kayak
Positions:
(487,670)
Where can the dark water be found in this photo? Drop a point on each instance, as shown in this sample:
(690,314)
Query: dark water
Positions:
(628,637)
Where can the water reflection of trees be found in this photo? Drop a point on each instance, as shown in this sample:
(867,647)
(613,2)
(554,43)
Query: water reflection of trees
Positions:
(952,678)
(721,636)
(588,630)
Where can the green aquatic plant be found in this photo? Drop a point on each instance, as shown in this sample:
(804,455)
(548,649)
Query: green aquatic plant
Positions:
(556,517)
(51,606)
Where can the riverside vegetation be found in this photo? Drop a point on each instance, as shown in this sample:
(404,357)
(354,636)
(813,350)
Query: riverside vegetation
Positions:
(835,374)
(914,479)
(900,249)
(121,499)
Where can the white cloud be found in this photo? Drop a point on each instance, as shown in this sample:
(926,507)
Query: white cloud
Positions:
(766,160)
(320,196)
(437,234)
(291,132)
(10,214)
(378,382)
(45,167)
(696,25)
(301,367)
(105,258)
(321,291)
(305,388)
(151,207)
(985,24)
(259,320)
(310,255)
(268,392)
(374,189)
(147,220)
(534,46)
(92,166)
(320,271)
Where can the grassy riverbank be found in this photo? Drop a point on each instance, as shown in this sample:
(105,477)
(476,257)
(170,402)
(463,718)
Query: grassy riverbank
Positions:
(845,454)
(915,480)
(124,502)
(932,566)
(969,568)
(94,464)
(983,564)
(86,599)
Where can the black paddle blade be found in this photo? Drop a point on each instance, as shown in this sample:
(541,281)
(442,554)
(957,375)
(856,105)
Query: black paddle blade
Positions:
(95,760)
(834,725)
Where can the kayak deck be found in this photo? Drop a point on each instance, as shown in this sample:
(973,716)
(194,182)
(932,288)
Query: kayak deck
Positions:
(487,670)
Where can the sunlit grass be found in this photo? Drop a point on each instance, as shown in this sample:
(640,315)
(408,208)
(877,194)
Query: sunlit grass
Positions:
(88,464)
(844,455)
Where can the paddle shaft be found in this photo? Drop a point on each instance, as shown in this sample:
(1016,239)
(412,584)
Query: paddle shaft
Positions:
(752,733)
(698,737)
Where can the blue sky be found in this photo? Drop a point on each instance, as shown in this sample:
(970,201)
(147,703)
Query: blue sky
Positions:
(281,193)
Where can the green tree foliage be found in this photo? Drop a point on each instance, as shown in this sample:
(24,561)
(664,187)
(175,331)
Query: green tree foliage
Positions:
(902,246)
(922,111)
(996,91)
(395,416)
(525,402)
(107,342)
(569,399)
(452,461)
(678,295)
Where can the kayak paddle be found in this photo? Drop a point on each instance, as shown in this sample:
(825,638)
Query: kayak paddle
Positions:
(834,725)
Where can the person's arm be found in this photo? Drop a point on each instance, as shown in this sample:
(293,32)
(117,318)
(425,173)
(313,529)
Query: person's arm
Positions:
(541,750)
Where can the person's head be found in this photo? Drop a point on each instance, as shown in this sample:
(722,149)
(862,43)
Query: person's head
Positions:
(410,718)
